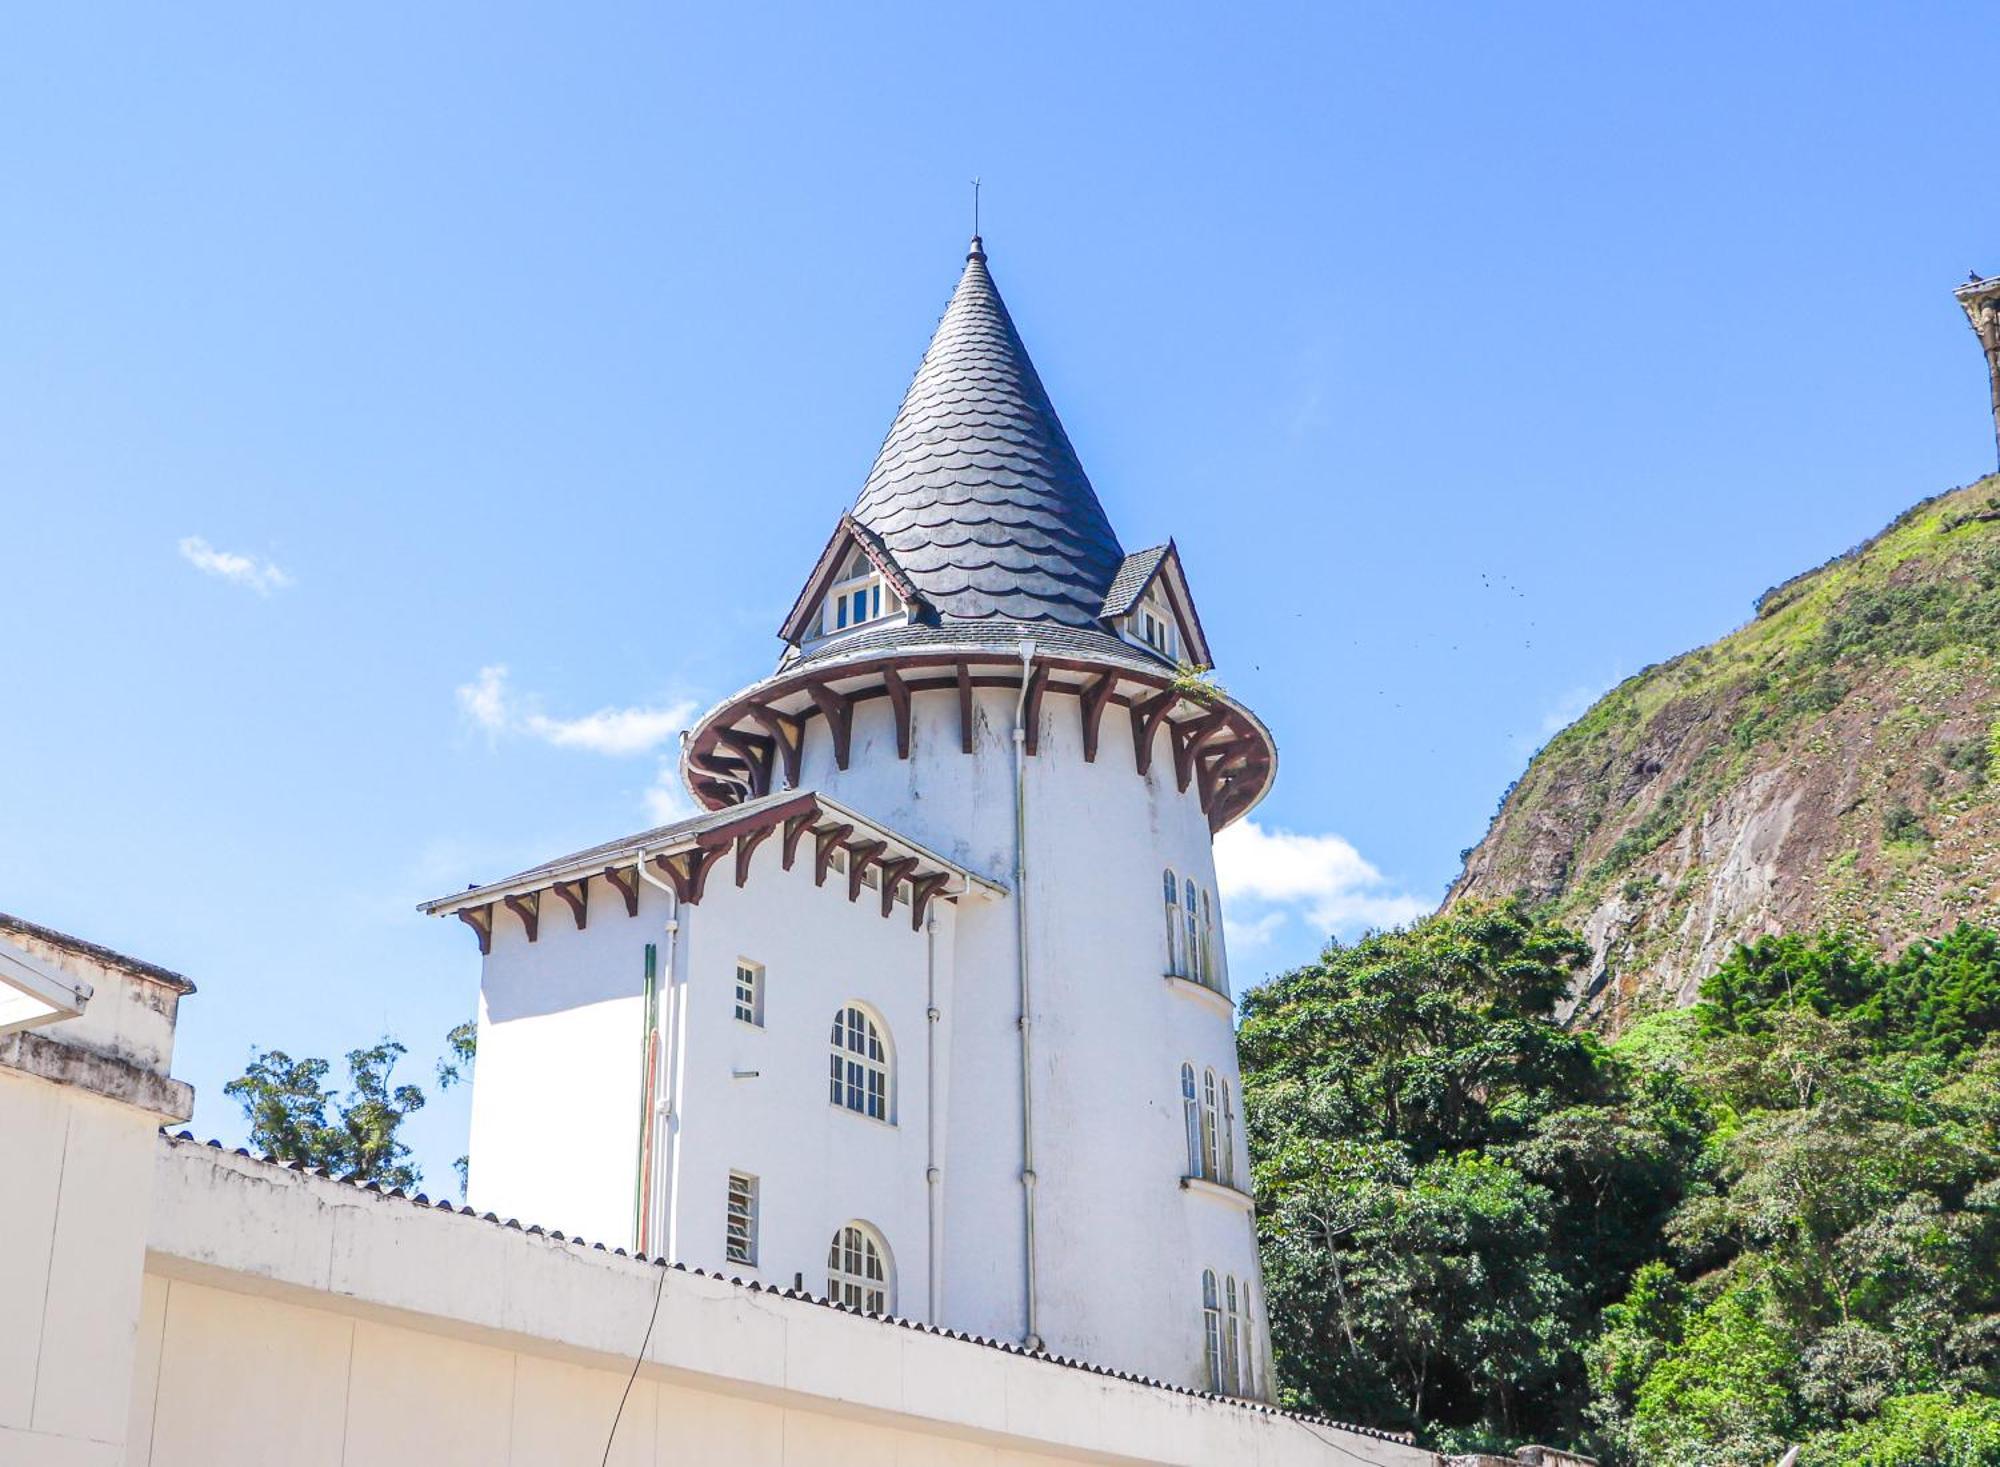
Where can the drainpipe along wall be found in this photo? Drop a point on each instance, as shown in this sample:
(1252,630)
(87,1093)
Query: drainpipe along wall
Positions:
(659,1231)
(1034,1337)
(933,1164)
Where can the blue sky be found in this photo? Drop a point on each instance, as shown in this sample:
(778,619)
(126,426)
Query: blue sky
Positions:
(1476,356)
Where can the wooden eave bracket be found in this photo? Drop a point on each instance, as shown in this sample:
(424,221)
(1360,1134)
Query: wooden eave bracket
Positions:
(1188,740)
(787,734)
(838,711)
(746,847)
(625,879)
(528,907)
(965,708)
(859,854)
(893,873)
(576,896)
(480,920)
(1147,716)
(1031,713)
(1091,703)
(899,701)
(922,889)
(826,840)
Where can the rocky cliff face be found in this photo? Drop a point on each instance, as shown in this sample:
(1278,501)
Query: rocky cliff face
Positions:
(1836,762)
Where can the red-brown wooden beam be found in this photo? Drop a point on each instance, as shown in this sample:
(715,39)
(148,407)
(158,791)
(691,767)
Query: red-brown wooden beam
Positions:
(1031,712)
(701,861)
(826,840)
(921,891)
(529,909)
(674,868)
(1187,741)
(893,873)
(899,702)
(1146,720)
(746,847)
(626,880)
(1091,704)
(576,896)
(788,734)
(858,856)
(796,827)
(480,920)
(838,711)
(964,708)
(759,753)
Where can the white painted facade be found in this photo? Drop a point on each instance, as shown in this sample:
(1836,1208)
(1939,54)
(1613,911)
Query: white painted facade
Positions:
(1019,701)
(169,1304)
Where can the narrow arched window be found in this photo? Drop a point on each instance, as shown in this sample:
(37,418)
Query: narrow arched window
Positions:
(1191,935)
(1210,1122)
(1225,1144)
(857,1269)
(1191,1116)
(1249,1344)
(1173,920)
(1211,972)
(1232,1342)
(1211,1331)
(858,1073)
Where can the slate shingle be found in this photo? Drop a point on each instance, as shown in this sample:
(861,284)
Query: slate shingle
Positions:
(977,491)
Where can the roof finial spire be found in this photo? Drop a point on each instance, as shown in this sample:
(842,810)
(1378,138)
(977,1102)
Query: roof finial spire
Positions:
(978,250)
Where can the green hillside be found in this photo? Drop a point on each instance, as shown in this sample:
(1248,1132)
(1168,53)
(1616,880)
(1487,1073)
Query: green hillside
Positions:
(1825,764)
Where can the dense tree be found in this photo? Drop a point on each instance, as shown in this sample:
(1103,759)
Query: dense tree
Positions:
(1450,1183)
(356,1133)
(1769,1221)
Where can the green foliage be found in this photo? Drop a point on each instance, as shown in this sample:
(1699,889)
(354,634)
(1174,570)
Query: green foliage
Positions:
(1930,1430)
(356,1134)
(1903,826)
(1772,1220)
(1450,1183)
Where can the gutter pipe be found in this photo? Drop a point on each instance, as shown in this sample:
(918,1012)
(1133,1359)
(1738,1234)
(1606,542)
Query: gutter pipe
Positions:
(663,1117)
(1033,1341)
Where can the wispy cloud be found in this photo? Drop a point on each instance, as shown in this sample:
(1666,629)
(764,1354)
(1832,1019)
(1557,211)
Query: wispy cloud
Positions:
(491,705)
(247,571)
(1270,878)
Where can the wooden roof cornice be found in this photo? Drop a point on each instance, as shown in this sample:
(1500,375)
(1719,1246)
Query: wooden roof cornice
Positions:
(1219,748)
(684,856)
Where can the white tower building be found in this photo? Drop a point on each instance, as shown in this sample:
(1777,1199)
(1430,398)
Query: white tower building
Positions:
(928,1011)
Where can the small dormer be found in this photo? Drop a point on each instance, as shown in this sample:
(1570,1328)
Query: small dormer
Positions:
(856,584)
(860,595)
(1149,606)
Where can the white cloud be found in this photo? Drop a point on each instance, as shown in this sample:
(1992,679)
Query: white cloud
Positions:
(247,571)
(1271,876)
(490,704)
(667,800)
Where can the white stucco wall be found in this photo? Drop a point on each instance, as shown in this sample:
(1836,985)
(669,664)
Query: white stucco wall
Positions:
(287,1318)
(1121,1244)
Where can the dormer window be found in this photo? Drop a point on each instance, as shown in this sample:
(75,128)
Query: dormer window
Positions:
(1153,624)
(859,596)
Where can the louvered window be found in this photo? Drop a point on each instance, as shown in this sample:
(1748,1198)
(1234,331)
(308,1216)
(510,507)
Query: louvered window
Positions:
(740,1241)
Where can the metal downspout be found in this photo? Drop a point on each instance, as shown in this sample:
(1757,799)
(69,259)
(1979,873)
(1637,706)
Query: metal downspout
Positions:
(933,1173)
(666,1119)
(1034,1337)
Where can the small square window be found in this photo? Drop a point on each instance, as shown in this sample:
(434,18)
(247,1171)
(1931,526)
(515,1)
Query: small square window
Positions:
(740,1239)
(871,876)
(750,992)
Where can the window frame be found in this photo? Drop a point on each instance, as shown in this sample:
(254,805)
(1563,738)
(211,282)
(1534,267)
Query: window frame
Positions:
(755,971)
(875,1086)
(853,1289)
(1191,1117)
(1211,1330)
(1210,1126)
(861,597)
(746,1255)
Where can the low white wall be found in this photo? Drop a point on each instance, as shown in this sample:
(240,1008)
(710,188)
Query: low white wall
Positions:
(289,1318)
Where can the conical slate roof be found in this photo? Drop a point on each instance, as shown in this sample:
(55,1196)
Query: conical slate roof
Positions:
(976,491)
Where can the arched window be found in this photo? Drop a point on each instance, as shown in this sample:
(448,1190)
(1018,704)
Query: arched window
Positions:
(1191,896)
(1211,1331)
(858,1077)
(1232,1345)
(1191,1114)
(857,1269)
(1173,920)
(1211,974)
(859,596)
(1211,1106)
(1225,1143)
